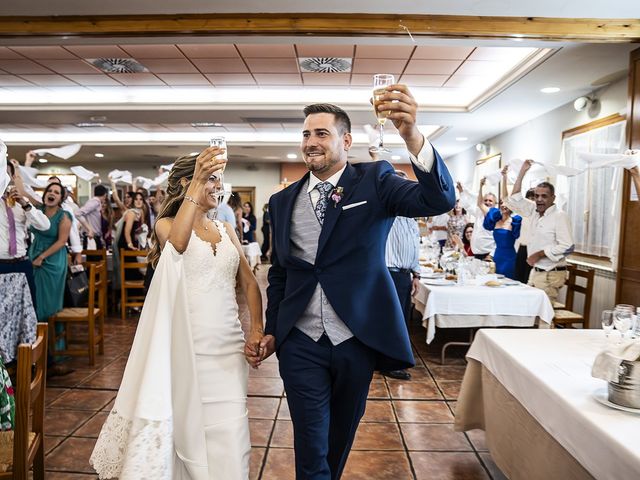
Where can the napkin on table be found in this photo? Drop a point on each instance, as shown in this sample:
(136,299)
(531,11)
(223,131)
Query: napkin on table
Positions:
(607,364)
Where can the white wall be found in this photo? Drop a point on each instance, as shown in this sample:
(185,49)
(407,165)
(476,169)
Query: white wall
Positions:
(541,138)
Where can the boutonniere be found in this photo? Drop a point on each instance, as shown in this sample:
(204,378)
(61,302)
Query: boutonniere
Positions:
(336,195)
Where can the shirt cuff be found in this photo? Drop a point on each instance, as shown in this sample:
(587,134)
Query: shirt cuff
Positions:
(76,249)
(424,160)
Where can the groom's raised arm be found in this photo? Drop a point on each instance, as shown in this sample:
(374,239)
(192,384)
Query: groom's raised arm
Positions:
(277,278)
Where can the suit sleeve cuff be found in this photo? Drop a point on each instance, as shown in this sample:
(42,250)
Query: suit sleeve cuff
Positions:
(424,160)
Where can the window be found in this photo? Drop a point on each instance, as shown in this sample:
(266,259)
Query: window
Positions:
(593,198)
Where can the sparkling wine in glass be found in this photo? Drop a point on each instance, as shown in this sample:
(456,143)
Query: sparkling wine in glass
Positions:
(380,81)
(607,322)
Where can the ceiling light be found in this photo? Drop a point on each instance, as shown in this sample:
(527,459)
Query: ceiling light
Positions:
(461,139)
(43,160)
(550,90)
(89,124)
(395,157)
(98,118)
(205,124)
(99,155)
(582,103)
(292,156)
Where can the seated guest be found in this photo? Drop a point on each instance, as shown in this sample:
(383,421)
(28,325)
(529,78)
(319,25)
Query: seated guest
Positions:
(482,242)
(550,240)
(49,255)
(506,229)
(464,244)
(455,224)
(17,215)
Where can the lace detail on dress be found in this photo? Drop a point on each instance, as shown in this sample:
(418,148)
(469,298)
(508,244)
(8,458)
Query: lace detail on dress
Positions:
(204,268)
(134,449)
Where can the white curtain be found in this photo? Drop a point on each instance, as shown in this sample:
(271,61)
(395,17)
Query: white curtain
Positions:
(593,197)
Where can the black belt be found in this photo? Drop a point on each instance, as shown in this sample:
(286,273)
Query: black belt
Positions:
(400,270)
(14,260)
(556,269)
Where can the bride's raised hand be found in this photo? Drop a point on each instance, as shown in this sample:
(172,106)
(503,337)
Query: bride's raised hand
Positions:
(207,164)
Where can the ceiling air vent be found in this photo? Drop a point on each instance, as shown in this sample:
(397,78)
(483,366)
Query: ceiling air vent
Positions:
(325,64)
(117,65)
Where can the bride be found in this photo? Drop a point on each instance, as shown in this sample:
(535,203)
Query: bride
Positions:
(181,412)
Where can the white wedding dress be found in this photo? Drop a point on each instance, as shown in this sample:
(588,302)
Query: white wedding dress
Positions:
(181,412)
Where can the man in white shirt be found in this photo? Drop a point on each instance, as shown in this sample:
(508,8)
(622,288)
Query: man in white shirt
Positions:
(439,228)
(16,216)
(550,239)
(482,242)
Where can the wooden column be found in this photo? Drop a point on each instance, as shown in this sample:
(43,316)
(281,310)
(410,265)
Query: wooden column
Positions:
(628,276)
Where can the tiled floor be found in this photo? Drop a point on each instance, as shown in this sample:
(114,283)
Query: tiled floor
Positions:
(406,433)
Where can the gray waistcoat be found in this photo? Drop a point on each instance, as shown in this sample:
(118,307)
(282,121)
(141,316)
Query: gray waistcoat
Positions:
(319,316)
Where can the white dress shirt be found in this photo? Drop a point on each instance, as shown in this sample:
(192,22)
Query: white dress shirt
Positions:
(440,221)
(24,220)
(550,232)
(74,234)
(424,161)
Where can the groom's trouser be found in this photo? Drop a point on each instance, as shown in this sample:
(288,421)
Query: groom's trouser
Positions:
(327,389)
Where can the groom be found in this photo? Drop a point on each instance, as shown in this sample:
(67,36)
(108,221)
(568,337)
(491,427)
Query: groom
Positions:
(333,315)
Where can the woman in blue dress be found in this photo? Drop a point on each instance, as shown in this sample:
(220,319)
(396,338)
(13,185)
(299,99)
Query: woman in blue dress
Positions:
(506,229)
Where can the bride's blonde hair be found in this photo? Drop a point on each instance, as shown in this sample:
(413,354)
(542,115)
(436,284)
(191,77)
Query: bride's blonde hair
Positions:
(184,167)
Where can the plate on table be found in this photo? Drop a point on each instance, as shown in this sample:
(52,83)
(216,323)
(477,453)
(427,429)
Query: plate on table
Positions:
(432,275)
(511,283)
(602,396)
(494,284)
(438,281)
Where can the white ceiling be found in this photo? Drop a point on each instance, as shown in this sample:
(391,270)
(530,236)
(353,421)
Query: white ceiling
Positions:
(497,106)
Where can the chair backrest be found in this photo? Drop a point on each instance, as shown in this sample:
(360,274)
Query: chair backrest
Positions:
(95,256)
(97,277)
(587,290)
(129,260)
(30,390)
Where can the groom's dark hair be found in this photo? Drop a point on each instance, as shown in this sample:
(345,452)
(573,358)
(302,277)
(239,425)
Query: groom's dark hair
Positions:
(342,120)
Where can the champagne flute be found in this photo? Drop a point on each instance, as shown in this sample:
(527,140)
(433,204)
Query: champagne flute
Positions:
(607,322)
(218,177)
(380,81)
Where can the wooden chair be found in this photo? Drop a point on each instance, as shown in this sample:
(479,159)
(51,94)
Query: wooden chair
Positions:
(129,261)
(93,315)
(566,316)
(24,446)
(98,256)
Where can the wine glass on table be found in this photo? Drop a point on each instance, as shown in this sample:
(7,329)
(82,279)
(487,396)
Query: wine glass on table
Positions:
(607,322)
(622,317)
(380,82)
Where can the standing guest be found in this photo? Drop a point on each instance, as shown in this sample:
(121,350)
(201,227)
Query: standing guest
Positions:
(48,255)
(402,255)
(107,223)
(226,214)
(90,215)
(523,269)
(128,198)
(266,232)
(455,224)
(17,215)
(439,228)
(482,242)
(550,240)
(506,230)
(134,229)
(236,206)
(329,234)
(464,244)
(247,214)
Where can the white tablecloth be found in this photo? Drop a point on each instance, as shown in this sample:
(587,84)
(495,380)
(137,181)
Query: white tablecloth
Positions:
(252,253)
(480,306)
(549,373)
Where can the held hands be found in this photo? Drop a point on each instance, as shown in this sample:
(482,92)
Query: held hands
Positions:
(252,350)
(403,110)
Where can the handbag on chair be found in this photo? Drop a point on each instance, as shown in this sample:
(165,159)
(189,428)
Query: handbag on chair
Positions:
(77,288)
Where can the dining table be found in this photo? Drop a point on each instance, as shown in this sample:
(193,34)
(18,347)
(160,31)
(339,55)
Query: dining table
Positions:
(544,415)
(448,304)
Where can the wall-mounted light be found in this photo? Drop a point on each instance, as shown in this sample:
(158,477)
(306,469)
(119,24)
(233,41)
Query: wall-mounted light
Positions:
(582,103)
(482,148)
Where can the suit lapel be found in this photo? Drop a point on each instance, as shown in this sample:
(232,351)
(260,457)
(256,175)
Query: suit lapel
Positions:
(348,183)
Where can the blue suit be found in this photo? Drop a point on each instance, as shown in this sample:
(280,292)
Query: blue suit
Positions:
(350,266)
